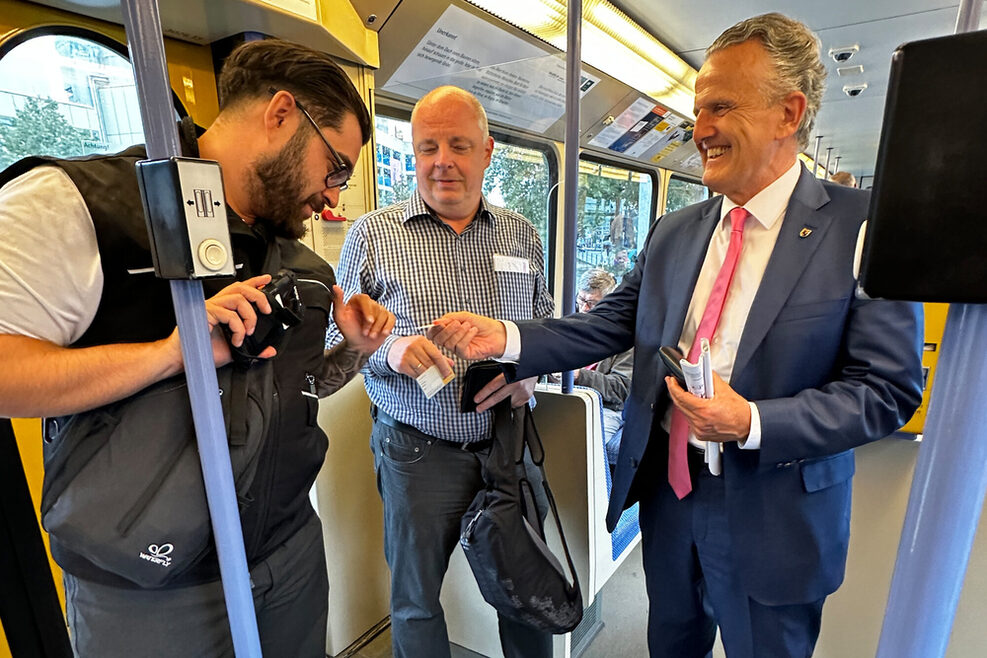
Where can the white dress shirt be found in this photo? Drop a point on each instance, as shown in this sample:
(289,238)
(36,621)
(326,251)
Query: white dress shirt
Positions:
(767,209)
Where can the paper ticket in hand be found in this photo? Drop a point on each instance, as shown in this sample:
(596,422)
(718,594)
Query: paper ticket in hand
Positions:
(431,381)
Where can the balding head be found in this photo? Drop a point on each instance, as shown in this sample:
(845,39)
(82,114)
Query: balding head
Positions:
(447,95)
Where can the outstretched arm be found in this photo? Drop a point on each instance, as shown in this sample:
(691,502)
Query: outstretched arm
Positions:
(41,378)
(470,336)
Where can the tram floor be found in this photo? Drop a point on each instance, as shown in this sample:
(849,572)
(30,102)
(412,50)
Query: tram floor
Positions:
(624,613)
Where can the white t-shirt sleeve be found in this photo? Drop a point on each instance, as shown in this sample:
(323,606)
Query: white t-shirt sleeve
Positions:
(51,279)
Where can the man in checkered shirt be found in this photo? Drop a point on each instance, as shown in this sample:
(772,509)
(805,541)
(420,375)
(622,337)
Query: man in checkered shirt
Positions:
(444,249)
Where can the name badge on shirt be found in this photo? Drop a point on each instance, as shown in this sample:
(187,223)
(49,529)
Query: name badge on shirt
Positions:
(511,264)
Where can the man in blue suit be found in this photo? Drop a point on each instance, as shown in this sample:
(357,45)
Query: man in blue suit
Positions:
(805,370)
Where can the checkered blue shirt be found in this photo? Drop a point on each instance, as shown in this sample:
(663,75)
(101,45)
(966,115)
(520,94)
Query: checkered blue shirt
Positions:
(417,267)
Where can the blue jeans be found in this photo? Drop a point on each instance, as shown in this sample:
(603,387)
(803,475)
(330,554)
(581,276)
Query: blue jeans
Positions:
(613,430)
(427,485)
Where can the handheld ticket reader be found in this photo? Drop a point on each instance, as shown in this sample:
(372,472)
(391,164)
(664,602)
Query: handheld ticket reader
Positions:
(928,222)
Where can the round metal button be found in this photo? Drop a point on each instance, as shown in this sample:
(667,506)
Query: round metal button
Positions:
(212,254)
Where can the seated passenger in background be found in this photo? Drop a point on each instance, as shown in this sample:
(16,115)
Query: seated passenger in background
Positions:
(844,178)
(611,376)
(85,324)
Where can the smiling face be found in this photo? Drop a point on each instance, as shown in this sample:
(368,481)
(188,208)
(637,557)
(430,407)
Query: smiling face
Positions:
(451,155)
(746,138)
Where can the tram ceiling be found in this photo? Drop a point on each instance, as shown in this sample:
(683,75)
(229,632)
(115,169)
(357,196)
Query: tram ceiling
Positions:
(204,22)
(519,78)
(850,125)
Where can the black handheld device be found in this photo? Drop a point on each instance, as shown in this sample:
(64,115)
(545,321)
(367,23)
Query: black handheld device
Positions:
(286,312)
(671,357)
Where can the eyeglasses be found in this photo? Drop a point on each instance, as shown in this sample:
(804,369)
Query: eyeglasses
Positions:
(341,171)
(589,302)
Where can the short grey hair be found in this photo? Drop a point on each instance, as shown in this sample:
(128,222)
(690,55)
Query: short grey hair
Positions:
(844,178)
(794,50)
(598,280)
(445,91)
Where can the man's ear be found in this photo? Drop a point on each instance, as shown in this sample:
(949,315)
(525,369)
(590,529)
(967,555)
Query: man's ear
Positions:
(279,112)
(488,146)
(793,109)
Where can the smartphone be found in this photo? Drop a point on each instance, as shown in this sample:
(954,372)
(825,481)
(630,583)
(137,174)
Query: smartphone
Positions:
(671,356)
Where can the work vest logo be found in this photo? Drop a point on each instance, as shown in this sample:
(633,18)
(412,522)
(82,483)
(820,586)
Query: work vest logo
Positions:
(158,554)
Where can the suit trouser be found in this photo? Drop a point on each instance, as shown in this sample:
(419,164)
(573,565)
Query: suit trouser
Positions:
(693,583)
(427,485)
(291,597)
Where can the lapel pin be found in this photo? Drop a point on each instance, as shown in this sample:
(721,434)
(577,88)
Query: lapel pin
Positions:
(805,232)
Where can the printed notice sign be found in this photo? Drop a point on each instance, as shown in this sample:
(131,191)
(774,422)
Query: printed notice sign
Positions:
(519,83)
(644,129)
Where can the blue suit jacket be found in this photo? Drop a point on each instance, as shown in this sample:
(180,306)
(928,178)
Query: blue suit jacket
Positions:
(827,371)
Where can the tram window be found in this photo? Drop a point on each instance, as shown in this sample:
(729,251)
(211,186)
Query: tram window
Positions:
(613,216)
(519,177)
(65,95)
(683,192)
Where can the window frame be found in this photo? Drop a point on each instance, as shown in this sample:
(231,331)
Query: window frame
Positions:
(652,173)
(686,179)
(637,168)
(62,30)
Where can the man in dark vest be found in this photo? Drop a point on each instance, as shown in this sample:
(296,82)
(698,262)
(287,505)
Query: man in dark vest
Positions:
(86,323)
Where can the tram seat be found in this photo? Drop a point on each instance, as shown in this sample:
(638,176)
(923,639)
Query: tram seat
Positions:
(624,537)
(628,525)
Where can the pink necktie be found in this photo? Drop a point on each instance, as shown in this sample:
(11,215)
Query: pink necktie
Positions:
(678,435)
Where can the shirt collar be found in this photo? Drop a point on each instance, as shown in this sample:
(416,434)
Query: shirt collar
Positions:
(416,207)
(768,205)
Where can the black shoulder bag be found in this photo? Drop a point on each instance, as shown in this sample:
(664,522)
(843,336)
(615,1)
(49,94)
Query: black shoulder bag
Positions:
(504,539)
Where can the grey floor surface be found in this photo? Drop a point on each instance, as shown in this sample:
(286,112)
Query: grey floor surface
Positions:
(624,613)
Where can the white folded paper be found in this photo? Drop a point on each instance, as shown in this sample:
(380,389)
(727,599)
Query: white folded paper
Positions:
(431,381)
(699,381)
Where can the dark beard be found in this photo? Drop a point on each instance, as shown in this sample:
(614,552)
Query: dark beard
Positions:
(276,188)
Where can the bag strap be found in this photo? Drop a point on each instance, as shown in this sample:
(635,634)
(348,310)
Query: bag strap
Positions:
(237,420)
(529,436)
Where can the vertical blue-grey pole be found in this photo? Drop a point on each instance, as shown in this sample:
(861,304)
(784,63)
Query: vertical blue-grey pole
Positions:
(815,157)
(949,484)
(573,71)
(143,25)
(829,152)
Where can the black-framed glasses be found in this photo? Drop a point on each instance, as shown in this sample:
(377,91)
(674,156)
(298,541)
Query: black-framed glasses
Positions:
(342,171)
(584,300)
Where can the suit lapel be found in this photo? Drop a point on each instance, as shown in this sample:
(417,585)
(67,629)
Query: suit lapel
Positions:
(685,273)
(802,231)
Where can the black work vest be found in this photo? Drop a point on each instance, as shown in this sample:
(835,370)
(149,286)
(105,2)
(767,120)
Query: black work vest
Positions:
(136,306)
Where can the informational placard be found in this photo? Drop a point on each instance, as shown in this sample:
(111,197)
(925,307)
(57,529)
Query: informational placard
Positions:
(304,8)
(518,83)
(644,130)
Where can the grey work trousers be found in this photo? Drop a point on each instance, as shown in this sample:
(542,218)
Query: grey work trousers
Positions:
(427,485)
(291,597)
